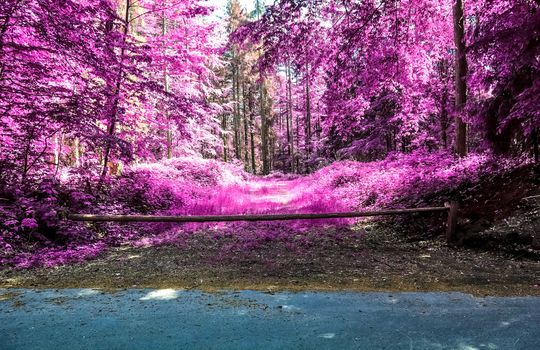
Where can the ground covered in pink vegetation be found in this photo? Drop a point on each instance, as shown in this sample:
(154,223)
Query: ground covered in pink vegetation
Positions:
(176,107)
(35,233)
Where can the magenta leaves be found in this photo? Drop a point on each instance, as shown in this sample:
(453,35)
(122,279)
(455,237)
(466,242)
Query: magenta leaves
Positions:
(172,107)
(187,186)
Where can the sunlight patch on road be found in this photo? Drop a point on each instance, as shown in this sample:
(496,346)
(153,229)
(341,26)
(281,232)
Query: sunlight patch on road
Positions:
(87,292)
(327,335)
(467,347)
(161,294)
(393,300)
(290,308)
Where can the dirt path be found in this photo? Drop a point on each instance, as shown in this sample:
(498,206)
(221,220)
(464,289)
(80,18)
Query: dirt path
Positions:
(288,256)
(265,196)
(334,259)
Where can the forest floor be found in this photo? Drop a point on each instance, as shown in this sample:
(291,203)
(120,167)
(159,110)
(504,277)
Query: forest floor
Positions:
(289,256)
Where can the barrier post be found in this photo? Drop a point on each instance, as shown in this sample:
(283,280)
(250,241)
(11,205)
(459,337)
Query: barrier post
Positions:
(453,208)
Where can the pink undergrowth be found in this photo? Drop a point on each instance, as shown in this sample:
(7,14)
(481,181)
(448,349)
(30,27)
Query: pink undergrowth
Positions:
(185,186)
(413,180)
(252,196)
(54,256)
(402,180)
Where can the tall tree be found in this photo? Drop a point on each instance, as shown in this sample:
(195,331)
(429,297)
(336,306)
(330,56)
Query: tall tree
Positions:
(113,103)
(505,75)
(461,76)
(51,79)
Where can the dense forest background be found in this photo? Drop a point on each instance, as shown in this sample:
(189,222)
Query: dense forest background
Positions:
(105,103)
(298,84)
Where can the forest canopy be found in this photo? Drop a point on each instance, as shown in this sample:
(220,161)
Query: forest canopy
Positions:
(93,91)
(299,83)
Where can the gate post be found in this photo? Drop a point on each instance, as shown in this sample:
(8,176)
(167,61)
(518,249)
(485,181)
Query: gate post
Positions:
(451,224)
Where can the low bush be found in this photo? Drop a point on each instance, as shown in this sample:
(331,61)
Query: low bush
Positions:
(33,229)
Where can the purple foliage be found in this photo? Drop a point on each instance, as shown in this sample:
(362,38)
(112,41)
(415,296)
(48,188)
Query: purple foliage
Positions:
(197,187)
(128,107)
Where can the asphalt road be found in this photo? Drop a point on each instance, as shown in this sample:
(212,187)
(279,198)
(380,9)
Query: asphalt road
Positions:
(169,319)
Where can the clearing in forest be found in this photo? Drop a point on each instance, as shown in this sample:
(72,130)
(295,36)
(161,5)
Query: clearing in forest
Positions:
(293,255)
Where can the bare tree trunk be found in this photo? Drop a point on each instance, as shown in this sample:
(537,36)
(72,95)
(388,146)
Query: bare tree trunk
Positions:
(57,150)
(246,128)
(28,145)
(76,152)
(251,104)
(167,89)
(238,113)
(290,141)
(444,119)
(308,119)
(536,151)
(264,121)
(225,138)
(264,131)
(272,146)
(461,73)
(116,97)
(252,140)
(235,130)
(297,159)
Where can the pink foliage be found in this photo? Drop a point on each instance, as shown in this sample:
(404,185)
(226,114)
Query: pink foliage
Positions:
(128,107)
(401,180)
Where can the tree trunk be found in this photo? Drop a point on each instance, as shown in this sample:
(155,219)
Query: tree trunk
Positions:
(116,97)
(26,155)
(308,120)
(57,150)
(444,119)
(246,128)
(251,104)
(264,131)
(252,140)
(167,89)
(536,151)
(297,159)
(225,138)
(236,141)
(290,141)
(460,79)
(76,152)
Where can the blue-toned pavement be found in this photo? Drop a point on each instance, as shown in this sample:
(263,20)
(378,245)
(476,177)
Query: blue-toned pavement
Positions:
(170,319)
